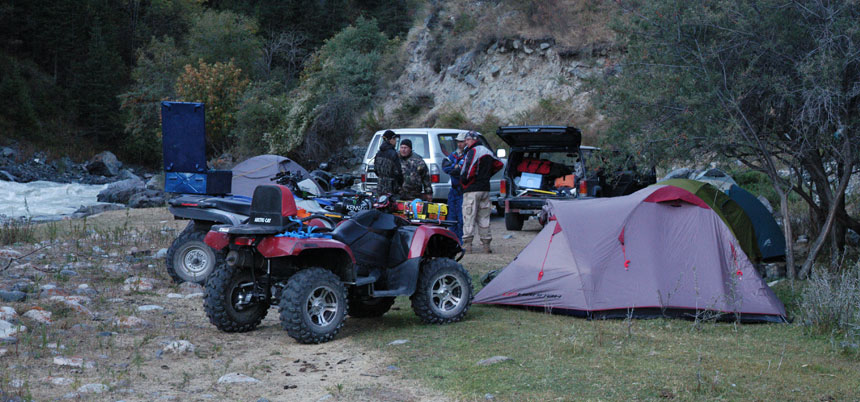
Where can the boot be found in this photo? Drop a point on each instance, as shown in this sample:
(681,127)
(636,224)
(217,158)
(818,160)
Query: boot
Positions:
(487,248)
(467,245)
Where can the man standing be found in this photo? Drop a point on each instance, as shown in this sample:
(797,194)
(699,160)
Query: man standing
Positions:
(479,164)
(416,176)
(452,165)
(387,166)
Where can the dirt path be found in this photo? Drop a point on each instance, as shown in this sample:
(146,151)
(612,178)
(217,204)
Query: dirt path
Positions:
(94,347)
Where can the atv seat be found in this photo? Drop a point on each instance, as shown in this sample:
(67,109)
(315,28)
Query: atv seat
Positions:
(368,234)
(271,208)
(234,205)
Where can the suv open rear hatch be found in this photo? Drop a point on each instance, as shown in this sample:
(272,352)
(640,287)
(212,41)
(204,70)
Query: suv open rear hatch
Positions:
(536,137)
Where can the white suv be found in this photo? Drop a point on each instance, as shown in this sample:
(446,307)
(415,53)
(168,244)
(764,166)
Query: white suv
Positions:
(433,145)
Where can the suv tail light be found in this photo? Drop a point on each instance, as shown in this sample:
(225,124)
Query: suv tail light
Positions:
(503,186)
(583,187)
(434,178)
(364,177)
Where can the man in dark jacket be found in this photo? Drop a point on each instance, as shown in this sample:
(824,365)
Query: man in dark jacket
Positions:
(387,166)
(479,164)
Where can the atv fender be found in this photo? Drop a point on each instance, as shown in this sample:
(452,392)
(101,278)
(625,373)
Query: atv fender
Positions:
(326,253)
(207,214)
(217,240)
(401,280)
(433,241)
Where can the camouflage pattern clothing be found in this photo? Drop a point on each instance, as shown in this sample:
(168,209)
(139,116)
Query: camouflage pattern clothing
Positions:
(416,177)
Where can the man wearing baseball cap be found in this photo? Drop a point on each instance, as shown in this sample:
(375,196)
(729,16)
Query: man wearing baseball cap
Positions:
(452,165)
(479,164)
(387,165)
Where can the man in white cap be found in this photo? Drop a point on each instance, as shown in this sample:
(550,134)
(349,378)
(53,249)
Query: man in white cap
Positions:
(479,164)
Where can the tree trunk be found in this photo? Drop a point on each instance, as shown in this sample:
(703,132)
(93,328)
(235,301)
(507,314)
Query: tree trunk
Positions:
(828,223)
(786,228)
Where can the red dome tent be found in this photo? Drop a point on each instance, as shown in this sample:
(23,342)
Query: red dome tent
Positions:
(661,251)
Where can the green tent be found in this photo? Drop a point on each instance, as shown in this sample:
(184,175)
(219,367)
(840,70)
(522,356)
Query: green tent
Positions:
(729,211)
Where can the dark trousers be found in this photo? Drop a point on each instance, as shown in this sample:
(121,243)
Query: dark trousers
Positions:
(455,212)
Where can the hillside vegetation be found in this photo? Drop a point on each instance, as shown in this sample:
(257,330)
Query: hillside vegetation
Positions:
(280,76)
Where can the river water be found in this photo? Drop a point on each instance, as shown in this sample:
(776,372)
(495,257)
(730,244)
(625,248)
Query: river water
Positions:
(45,200)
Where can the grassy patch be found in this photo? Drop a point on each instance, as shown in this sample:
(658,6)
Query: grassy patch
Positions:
(562,357)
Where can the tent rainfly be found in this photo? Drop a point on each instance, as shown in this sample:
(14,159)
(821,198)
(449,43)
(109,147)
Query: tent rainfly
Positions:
(662,251)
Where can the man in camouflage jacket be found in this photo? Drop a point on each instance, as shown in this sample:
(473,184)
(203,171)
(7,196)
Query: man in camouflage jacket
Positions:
(416,176)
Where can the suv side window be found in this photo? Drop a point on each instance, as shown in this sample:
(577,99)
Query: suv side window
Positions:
(419,144)
(373,147)
(448,143)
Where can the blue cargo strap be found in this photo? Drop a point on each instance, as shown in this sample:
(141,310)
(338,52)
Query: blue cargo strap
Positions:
(306,234)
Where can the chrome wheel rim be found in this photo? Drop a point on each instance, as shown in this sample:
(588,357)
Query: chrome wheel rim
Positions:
(446,293)
(322,306)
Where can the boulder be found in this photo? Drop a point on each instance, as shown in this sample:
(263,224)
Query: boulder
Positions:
(121,192)
(7,329)
(12,296)
(236,378)
(105,164)
(147,199)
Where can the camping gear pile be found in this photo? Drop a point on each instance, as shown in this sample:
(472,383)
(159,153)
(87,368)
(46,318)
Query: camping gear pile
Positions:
(417,209)
(677,248)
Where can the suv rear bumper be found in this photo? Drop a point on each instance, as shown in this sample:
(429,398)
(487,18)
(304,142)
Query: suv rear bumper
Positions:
(523,206)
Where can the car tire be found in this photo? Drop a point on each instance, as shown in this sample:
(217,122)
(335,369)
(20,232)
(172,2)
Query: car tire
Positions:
(313,306)
(189,259)
(223,292)
(444,292)
(514,221)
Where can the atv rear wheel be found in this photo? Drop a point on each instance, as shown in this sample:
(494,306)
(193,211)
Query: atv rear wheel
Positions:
(229,301)
(189,259)
(363,306)
(444,292)
(313,305)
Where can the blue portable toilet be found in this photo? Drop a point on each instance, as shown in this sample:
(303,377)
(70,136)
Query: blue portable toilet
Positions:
(769,236)
(183,138)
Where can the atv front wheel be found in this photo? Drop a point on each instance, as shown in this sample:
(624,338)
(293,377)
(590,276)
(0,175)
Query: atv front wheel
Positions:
(313,305)
(189,259)
(363,306)
(229,301)
(444,292)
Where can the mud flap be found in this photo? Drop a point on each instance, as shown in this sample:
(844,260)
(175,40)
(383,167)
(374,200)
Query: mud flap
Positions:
(401,280)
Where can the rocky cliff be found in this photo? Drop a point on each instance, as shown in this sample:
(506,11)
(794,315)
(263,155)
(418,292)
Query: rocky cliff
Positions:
(501,73)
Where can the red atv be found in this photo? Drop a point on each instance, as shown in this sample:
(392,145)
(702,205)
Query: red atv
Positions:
(316,277)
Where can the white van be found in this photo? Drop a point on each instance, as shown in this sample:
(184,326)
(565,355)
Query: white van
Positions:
(433,145)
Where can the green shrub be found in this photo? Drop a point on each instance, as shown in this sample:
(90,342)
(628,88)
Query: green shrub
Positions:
(224,36)
(220,86)
(373,121)
(830,305)
(261,110)
(344,73)
(452,119)
(158,66)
